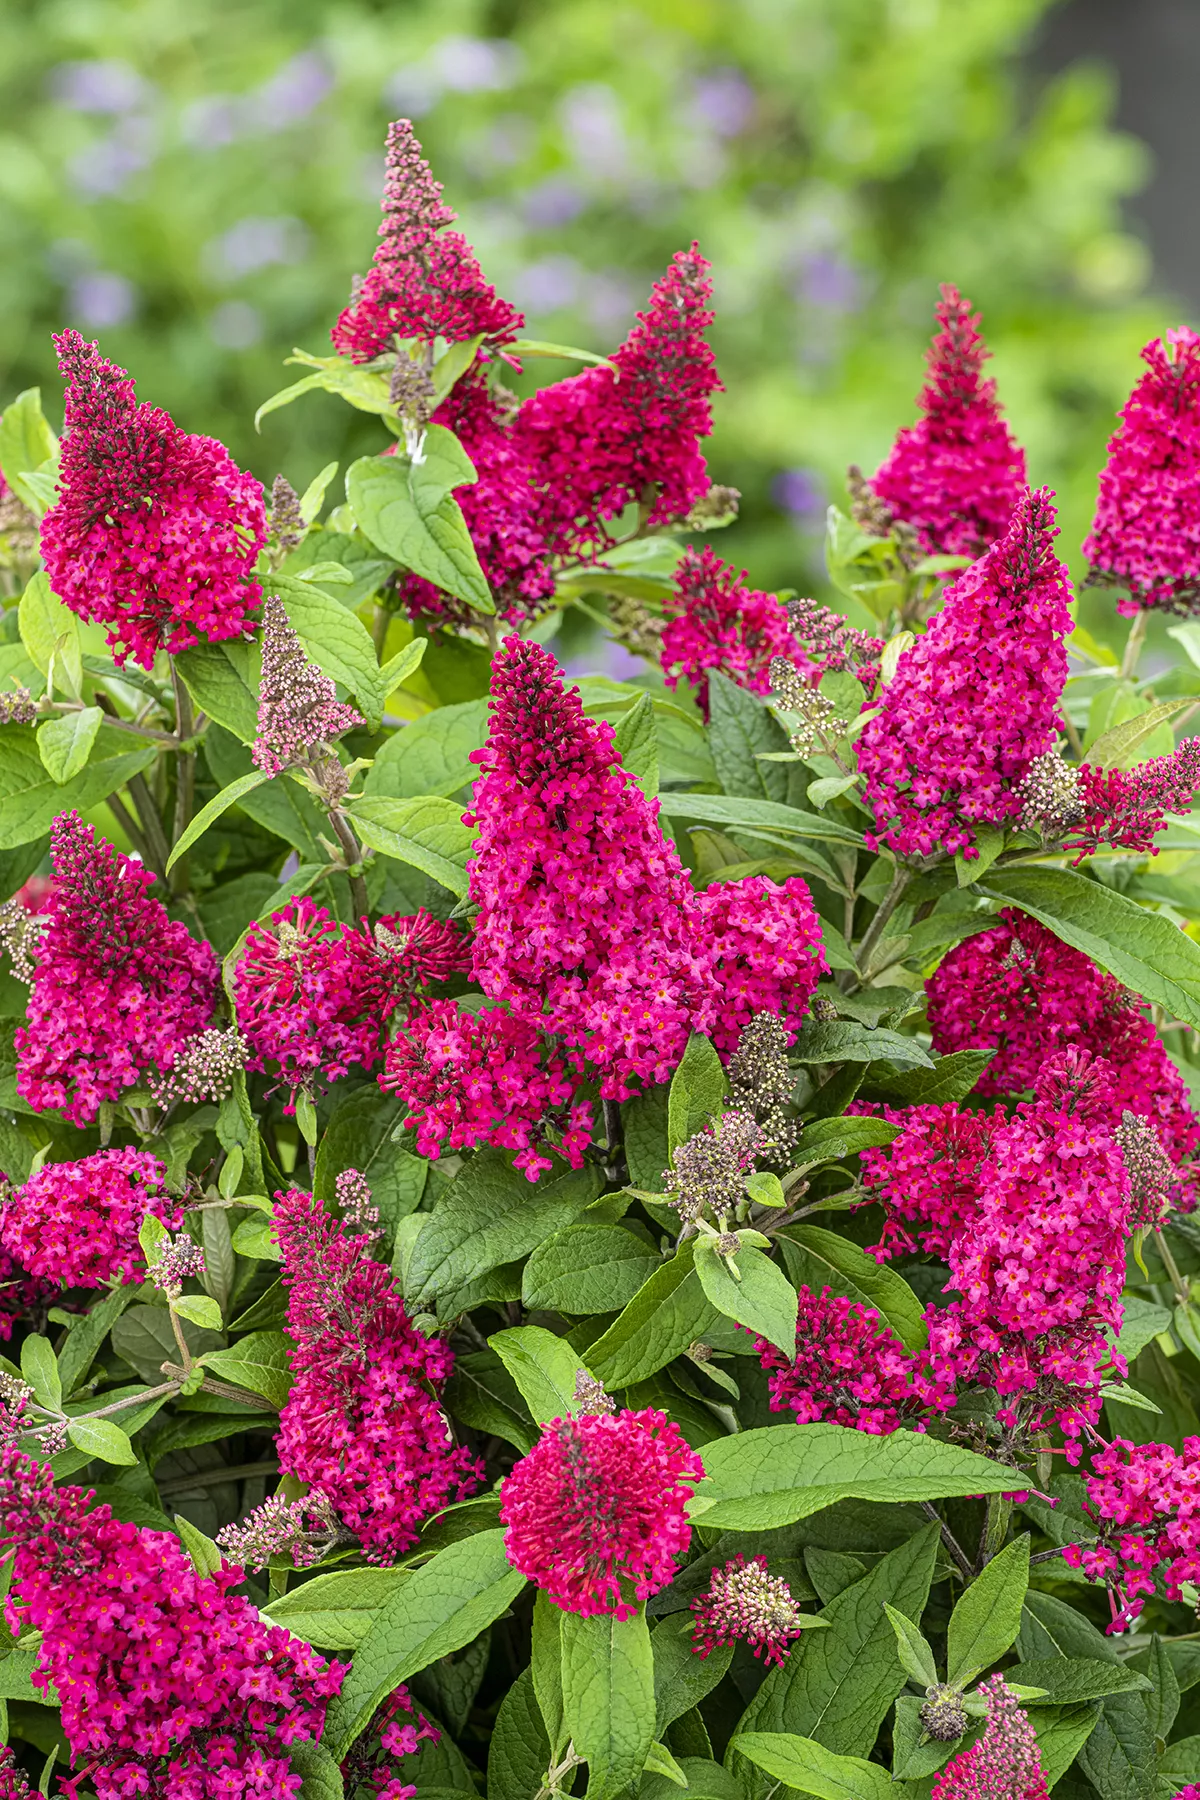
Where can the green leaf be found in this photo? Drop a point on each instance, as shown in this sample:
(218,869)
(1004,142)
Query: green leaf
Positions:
(337,1611)
(85,1338)
(407,510)
(65,742)
(608,1697)
(482,1394)
(432,755)
(313,497)
(741,732)
(636,743)
(321,1779)
(200,1309)
(669,1312)
(253,1238)
(681,1677)
(764,1300)
(659,1761)
(425,831)
(336,640)
(1141,1325)
(817,1258)
(306,385)
(987,1616)
(545,1665)
(1119,1757)
(443,1606)
(837,1685)
(205,1557)
(1144,950)
(749,814)
(697,1090)
(807,1767)
(1062,1731)
(223,681)
(30,801)
(989,842)
(26,442)
(540,347)
(845,1040)
(1125,745)
(102,1438)
(951,1078)
(50,631)
(586,1269)
(362,1134)
(916,1658)
(397,669)
(491,1215)
(772,1476)
(544,1368)
(831,1140)
(1068,1679)
(1124,1395)
(40,1369)
(519,1753)
(228,796)
(258,1362)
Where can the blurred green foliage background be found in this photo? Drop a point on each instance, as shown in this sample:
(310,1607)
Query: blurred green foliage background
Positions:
(194,182)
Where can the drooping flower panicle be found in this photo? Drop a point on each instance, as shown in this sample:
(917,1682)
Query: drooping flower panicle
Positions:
(118,987)
(169,1683)
(958,473)
(596,1511)
(362,1423)
(1145,536)
(1145,1502)
(154,532)
(974,700)
(425,281)
(716,622)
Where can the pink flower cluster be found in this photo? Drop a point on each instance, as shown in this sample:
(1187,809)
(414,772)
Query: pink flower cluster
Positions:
(486,1077)
(299,713)
(396,1730)
(1127,807)
(169,1684)
(596,1511)
(13,1783)
(928,1179)
(848,1368)
(716,622)
(1018,987)
(20,1293)
(155,533)
(1040,1268)
(1145,1502)
(77,1222)
(1005,1763)
(588,928)
(630,435)
(974,700)
(362,1422)
(314,997)
(1145,536)
(425,281)
(746,1604)
(503,509)
(118,985)
(957,474)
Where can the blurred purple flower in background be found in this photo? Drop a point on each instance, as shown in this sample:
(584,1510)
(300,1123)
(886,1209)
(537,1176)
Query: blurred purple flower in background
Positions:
(801,492)
(590,117)
(100,300)
(295,90)
(255,243)
(236,325)
(829,281)
(553,203)
(103,168)
(723,100)
(554,281)
(100,87)
(455,65)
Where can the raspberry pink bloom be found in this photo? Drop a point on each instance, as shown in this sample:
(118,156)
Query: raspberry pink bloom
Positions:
(425,281)
(1022,990)
(716,622)
(746,1604)
(1145,536)
(1145,1502)
(362,1422)
(1128,807)
(976,699)
(77,1222)
(958,473)
(13,1784)
(397,1730)
(587,923)
(502,510)
(596,1513)
(927,1180)
(1040,1269)
(169,1683)
(1005,1763)
(118,986)
(155,532)
(314,997)
(630,435)
(849,1368)
(486,1077)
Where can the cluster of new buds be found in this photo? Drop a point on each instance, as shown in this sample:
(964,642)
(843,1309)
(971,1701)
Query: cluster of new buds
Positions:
(304,1530)
(21,934)
(761,1083)
(813,723)
(1152,1174)
(707,1178)
(1051,803)
(204,1069)
(177,1259)
(354,1203)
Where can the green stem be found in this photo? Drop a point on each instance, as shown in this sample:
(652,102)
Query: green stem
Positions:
(875,929)
(1172,1267)
(957,1554)
(995,1527)
(1133,645)
(183,1484)
(352,851)
(185,777)
(152,826)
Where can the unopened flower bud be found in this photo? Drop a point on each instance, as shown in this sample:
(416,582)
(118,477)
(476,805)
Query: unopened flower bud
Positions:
(943,1715)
